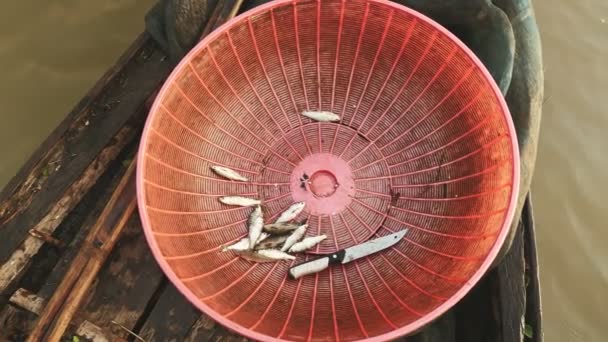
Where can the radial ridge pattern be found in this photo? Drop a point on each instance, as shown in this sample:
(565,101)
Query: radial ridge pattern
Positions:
(424,142)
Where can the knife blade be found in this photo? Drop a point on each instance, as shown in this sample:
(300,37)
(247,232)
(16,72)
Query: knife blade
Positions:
(346,255)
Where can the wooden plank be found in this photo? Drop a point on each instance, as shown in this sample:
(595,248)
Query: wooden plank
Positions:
(512,290)
(27,300)
(58,180)
(442,330)
(21,257)
(28,305)
(175,319)
(533,295)
(75,228)
(205,329)
(476,319)
(202,330)
(43,278)
(490,311)
(493,310)
(15,323)
(125,284)
(84,268)
(171,318)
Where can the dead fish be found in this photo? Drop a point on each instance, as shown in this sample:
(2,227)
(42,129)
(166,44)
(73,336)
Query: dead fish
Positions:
(266,255)
(296,236)
(280,228)
(276,254)
(240,201)
(254,256)
(321,115)
(291,212)
(307,243)
(263,236)
(256,223)
(243,244)
(228,173)
(271,242)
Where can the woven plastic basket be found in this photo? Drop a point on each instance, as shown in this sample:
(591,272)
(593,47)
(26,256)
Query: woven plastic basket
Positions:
(425,142)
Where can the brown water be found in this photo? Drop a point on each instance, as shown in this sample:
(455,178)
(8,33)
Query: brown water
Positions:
(571,179)
(51,52)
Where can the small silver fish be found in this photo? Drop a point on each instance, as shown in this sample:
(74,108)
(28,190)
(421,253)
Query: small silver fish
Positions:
(296,236)
(307,243)
(291,212)
(276,254)
(253,256)
(243,244)
(256,223)
(271,242)
(240,201)
(228,173)
(321,116)
(265,255)
(280,228)
(263,236)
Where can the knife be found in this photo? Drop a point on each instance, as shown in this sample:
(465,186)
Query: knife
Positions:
(346,255)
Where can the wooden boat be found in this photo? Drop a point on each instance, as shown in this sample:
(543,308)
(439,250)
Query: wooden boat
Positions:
(75,263)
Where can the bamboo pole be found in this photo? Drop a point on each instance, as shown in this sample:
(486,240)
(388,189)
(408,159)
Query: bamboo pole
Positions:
(21,257)
(97,246)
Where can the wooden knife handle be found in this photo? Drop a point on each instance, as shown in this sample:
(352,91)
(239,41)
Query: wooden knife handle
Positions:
(309,267)
(316,265)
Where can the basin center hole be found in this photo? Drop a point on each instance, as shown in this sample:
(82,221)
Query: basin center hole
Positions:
(323,183)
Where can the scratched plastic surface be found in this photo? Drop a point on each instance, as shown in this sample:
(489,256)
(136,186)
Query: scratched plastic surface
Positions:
(424,141)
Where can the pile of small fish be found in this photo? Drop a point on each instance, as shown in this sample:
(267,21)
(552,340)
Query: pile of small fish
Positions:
(268,242)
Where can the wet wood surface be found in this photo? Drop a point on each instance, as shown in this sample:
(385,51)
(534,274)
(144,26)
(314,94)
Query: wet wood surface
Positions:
(60,190)
(532,279)
(171,318)
(92,255)
(55,179)
(125,286)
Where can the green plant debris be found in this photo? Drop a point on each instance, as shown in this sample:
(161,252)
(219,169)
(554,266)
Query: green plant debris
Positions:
(126,162)
(528,331)
(75,338)
(45,171)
